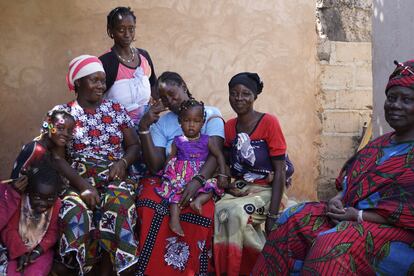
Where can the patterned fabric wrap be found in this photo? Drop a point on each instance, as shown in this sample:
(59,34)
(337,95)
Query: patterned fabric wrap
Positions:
(110,227)
(238,235)
(403,76)
(161,251)
(3,260)
(191,156)
(378,178)
(250,159)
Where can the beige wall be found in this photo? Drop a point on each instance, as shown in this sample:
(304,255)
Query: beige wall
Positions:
(346,104)
(206,41)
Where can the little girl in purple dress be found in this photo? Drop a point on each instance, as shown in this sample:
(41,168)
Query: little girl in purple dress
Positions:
(188,154)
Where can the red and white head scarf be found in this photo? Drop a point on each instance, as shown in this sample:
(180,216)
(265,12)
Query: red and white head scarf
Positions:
(82,66)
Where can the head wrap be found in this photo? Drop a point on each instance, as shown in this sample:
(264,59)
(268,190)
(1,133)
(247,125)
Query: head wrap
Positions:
(250,80)
(82,66)
(403,75)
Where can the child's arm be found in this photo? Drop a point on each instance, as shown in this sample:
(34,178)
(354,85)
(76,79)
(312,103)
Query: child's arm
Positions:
(88,193)
(173,153)
(11,238)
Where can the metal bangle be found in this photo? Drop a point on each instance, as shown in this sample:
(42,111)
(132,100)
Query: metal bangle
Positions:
(125,162)
(36,251)
(143,132)
(272,216)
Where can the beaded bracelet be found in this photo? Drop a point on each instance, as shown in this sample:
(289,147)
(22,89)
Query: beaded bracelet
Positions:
(200,179)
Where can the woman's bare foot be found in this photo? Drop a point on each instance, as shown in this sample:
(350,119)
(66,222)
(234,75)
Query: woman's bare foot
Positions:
(175,226)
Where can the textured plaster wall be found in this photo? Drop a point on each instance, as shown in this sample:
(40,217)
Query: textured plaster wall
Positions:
(206,41)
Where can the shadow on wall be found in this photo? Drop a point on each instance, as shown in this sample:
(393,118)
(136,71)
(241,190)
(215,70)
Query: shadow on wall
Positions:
(393,39)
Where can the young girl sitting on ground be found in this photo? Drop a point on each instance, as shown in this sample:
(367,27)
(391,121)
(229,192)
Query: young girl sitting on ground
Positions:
(188,154)
(31,231)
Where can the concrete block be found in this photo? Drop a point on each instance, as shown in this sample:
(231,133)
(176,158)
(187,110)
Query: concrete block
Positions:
(334,121)
(337,76)
(337,146)
(330,167)
(359,52)
(328,99)
(363,76)
(354,99)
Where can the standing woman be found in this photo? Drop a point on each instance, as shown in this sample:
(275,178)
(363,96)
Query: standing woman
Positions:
(98,220)
(257,161)
(130,75)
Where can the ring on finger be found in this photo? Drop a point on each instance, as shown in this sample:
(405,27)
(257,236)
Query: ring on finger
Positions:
(191,199)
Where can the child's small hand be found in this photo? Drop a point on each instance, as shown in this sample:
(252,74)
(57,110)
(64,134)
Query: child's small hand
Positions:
(22,261)
(35,254)
(20,184)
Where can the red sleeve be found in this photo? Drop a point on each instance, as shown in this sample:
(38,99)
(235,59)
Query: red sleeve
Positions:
(11,238)
(229,132)
(274,136)
(9,202)
(52,233)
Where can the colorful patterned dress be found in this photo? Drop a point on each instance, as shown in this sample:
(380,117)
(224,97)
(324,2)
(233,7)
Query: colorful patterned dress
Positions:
(97,142)
(378,178)
(191,156)
(238,235)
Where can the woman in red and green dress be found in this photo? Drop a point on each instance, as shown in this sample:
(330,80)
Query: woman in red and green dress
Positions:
(367,229)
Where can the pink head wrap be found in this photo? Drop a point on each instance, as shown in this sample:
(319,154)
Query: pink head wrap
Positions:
(82,66)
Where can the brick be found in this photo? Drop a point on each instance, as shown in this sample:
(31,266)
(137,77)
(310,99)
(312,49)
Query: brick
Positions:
(337,146)
(328,99)
(340,122)
(330,167)
(326,189)
(354,99)
(363,76)
(346,52)
(337,76)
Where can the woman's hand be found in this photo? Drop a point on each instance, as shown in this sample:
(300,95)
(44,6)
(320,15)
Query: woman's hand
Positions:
(22,262)
(335,207)
(349,214)
(269,224)
(37,251)
(20,184)
(91,197)
(117,171)
(223,182)
(151,116)
(189,192)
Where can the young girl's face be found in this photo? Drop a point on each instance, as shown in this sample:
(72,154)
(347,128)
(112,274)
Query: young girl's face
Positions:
(61,132)
(192,120)
(42,197)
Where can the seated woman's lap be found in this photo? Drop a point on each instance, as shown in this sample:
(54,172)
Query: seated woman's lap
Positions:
(110,226)
(363,249)
(162,251)
(315,246)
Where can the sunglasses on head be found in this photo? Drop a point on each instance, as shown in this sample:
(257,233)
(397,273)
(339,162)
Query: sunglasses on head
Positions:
(405,68)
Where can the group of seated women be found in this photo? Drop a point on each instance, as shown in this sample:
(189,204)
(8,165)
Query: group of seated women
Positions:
(137,177)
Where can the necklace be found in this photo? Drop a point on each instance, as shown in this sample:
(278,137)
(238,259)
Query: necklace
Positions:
(129,59)
(194,138)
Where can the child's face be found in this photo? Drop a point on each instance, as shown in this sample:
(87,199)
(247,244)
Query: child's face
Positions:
(192,121)
(62,130)
(42,197)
